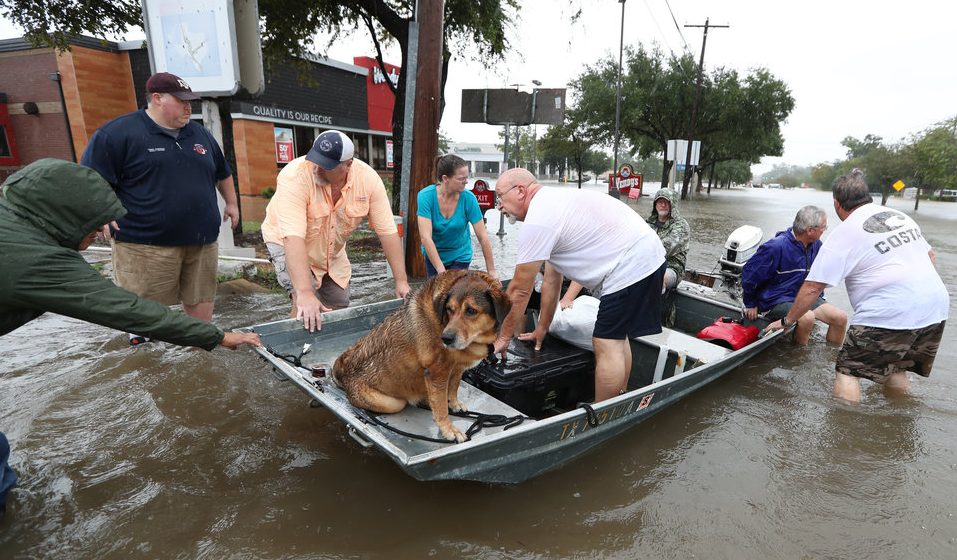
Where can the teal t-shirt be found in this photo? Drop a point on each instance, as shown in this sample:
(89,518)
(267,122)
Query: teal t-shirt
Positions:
(451,236)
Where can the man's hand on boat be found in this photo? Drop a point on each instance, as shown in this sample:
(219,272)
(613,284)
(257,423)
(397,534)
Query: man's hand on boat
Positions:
(402,289)
(309,309)
(751,313)
(537,336)
(775,326)
(234,340)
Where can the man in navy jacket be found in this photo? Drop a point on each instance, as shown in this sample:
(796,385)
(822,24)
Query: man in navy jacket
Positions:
(771,278)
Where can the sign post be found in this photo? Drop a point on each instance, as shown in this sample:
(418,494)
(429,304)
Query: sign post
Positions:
(513,107)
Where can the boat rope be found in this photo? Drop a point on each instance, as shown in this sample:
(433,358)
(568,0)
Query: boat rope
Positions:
(590,415)
(292,359)
(482,420)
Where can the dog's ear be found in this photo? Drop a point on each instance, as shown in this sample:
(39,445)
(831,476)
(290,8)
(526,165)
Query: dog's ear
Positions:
(500,302)
(441,303)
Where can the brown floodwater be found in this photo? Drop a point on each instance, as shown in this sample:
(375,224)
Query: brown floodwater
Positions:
(167,452)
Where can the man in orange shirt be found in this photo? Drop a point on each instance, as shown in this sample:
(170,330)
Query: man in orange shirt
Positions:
(320,200)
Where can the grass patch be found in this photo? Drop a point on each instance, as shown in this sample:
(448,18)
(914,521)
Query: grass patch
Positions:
(251,226)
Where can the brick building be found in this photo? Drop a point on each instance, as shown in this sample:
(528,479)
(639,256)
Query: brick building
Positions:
(51,103)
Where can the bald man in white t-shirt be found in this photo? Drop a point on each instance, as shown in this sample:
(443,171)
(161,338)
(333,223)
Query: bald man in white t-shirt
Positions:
(596,241)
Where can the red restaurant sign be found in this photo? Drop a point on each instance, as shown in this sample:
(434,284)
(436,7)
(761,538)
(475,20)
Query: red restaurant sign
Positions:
(628,182)
(485,197)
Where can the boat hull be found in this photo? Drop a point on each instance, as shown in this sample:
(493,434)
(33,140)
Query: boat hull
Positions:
(661,376)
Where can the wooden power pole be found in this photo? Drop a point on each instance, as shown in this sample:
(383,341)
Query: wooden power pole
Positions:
(425,131)
(694,107)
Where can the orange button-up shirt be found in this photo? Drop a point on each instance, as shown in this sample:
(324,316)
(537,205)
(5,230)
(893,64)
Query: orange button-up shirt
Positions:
(301,208)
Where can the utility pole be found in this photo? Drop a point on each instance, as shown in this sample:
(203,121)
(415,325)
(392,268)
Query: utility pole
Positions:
(501,216)
(621,49)
(694,107)
(425,137)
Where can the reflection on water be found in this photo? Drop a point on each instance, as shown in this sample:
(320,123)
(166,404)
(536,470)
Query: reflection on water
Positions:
(169,452)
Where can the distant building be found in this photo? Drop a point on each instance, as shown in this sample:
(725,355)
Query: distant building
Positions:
(485,160)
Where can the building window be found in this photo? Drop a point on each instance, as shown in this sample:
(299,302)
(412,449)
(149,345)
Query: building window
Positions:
(486,167)
(377,159)
(305,136)
(361,142)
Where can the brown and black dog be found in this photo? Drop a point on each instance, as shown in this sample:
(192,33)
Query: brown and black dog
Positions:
(420,352)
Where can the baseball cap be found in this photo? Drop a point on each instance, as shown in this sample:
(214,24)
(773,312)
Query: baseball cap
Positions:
(330,149)
(164,82)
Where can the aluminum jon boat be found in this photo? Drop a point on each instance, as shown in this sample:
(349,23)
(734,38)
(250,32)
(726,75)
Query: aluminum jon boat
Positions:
(665,368)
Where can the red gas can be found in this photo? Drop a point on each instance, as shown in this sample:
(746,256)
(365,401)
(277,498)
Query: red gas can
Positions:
(729,333)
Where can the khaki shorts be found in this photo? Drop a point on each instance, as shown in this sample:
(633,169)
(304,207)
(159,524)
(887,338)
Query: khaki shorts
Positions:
(875,353)
(168,275)
(329,293)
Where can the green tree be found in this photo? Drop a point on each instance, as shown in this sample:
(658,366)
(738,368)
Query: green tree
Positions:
(738,118)
(288,29)
(597,162)
(933,156)
(823,174)
(729,173)
(883,163)
(859,148)
(444,142)
(568,141)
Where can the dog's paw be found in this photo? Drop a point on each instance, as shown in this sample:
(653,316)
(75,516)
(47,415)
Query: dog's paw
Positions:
(452,433)
(457,406)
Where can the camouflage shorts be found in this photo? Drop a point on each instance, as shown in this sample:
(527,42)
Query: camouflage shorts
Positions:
(875,353)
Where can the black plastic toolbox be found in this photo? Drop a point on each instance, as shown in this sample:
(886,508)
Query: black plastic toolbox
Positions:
(556,378)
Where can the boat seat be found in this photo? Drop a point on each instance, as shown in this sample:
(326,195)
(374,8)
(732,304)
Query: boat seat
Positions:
(684,345)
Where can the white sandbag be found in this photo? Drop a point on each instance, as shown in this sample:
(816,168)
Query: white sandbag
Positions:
(576,324)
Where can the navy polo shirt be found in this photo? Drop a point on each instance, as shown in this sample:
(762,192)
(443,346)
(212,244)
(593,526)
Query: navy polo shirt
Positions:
(166,184)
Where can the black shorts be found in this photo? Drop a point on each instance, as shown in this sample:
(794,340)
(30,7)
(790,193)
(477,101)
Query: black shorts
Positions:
(633,311)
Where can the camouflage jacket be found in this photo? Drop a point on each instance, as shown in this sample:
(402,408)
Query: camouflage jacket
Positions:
(675,234)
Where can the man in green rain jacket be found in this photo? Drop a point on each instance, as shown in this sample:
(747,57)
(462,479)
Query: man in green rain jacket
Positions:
(51,210)
(674,232)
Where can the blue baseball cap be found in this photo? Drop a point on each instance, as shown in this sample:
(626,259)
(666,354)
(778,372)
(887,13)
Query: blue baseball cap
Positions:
(330,149)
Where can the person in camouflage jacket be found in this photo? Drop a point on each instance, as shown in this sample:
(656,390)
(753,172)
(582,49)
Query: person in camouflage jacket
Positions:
(675,234)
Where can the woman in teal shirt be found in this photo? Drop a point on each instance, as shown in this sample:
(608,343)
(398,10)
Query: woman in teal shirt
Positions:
(445,211)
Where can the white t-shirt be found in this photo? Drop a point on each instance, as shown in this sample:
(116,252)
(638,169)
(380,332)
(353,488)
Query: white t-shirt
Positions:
(589,237)
(881,255)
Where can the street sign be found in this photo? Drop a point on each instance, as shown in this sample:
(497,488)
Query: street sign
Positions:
(513,106)
(213,45)
(678,152)
(484,195)
(898,185)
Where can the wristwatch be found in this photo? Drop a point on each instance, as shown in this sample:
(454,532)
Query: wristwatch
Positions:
(784,321)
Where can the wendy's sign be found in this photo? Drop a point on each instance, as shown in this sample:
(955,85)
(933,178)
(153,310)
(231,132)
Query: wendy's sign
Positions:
(627,181)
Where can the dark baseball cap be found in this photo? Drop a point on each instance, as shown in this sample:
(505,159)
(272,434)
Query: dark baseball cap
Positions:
(330,149)
(164,82)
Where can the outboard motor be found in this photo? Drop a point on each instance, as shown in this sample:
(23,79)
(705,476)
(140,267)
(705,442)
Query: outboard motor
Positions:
(741,244)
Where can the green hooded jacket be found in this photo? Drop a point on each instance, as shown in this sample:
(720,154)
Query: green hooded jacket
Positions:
(46,210)
(675,234)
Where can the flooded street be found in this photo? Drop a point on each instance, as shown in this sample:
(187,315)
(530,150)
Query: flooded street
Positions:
(167,452)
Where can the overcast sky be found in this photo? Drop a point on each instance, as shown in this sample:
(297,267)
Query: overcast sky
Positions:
(854,67)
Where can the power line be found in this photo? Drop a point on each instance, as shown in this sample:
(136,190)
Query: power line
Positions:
(678,27)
